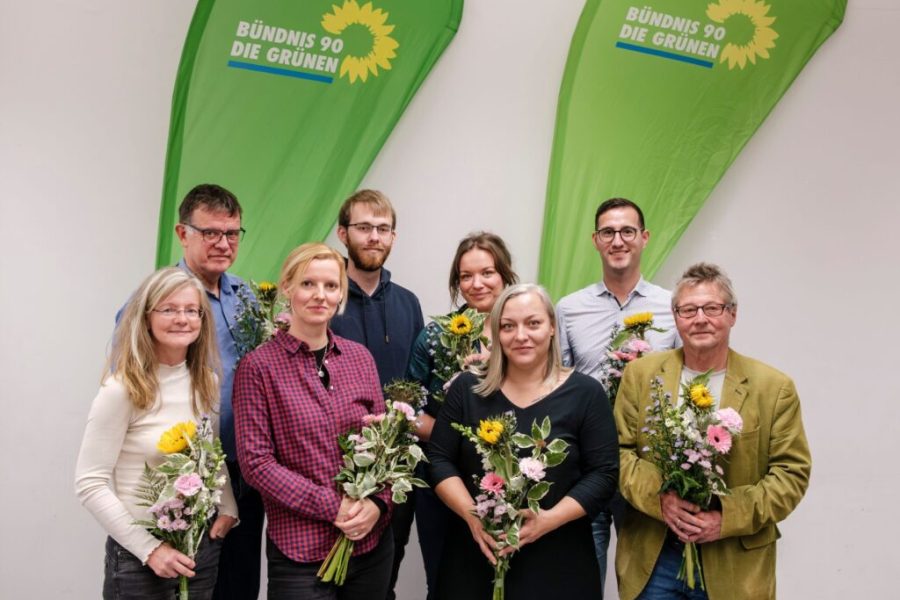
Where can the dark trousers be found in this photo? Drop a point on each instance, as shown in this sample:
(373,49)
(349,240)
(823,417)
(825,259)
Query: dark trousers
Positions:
(367,575)
(432,520)
(401,525)
(239,563)
(125,578)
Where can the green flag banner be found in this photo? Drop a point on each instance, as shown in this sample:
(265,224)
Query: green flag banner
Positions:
(287,104)
(657,100)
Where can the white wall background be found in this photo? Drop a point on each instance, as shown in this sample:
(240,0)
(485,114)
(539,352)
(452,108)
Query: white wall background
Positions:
(805,222)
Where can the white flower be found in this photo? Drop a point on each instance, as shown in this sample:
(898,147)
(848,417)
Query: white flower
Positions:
(532,468)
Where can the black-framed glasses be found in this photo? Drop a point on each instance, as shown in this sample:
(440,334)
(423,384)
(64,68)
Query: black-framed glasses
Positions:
(170,313)
(212,236)
(713,309)
(608,234)
(366,228)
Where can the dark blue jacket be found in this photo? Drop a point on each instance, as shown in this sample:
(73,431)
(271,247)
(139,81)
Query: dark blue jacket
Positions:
(387,323)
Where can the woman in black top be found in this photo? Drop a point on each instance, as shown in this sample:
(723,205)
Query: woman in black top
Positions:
(525,375)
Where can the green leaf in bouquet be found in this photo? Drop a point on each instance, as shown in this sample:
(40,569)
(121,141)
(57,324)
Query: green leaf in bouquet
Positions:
(545,428)
(539,490)
(398,496)
(557,445)
(620,339)
(522,441)
(403,485)
(512,535)
(416,452)
(536,432)
(517,483)
(419,483)
(363,459)
(551,459)
(534,506)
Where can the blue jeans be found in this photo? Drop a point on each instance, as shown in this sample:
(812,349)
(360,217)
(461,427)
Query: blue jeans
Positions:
(664,583)
(127,579)
(600,528)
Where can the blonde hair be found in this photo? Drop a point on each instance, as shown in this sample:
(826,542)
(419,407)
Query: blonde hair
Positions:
(701,273)
(133,360)
(493,375)
(298,260)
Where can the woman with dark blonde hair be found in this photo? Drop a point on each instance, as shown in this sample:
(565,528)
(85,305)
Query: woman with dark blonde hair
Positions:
(161,371)
(480,271)
(293,396)
(524,374)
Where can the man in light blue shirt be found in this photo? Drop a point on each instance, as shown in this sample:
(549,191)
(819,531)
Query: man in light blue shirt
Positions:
(585,318)
(209,230)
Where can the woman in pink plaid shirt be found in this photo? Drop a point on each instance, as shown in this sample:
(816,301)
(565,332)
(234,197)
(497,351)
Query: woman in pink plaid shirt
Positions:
(293,396)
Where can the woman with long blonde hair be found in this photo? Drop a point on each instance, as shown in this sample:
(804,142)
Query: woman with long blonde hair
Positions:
(161,371)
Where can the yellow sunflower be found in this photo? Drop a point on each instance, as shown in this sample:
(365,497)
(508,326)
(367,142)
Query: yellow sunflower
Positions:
(490,431)
(644,318)
(700,396)
(176,438)
(763,36)
(373,19)
(460,325)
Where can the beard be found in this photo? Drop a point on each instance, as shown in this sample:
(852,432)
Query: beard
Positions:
(365,261)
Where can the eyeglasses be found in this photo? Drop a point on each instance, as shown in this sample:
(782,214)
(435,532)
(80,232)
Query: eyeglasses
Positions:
(170,313)
(608,234)
(366,228)
(212,236)
(710,310)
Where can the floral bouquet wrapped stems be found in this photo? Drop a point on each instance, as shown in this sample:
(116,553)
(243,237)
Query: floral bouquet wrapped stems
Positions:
(455,339)
(688,443)
(182,493)
(384,453)
(627,343)
(260,314)
(510,483)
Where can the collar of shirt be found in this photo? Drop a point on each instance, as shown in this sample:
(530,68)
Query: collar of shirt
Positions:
(640,289)
(228,284)
(294,345)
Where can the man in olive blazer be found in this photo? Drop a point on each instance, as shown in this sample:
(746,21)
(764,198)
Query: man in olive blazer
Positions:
(767,470)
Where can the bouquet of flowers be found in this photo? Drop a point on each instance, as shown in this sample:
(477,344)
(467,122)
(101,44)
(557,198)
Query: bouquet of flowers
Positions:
(384,453)
(452,341)
(185,489)
(260,314)
(626,344)
(688,443)
(510,484)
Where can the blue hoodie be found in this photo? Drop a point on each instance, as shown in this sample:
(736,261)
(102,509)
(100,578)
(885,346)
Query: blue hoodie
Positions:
(387,323)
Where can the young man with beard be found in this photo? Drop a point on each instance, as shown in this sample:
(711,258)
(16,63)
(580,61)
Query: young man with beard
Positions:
(381,315)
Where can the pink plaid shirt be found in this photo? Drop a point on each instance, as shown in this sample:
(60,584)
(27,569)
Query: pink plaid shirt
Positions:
(287,425)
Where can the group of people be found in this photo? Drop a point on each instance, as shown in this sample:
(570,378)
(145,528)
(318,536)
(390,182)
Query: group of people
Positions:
(282,406)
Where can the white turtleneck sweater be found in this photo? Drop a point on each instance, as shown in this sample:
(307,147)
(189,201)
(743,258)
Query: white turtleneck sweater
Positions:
(118,440)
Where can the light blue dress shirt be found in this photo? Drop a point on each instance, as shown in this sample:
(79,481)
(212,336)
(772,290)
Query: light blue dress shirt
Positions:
(585,321)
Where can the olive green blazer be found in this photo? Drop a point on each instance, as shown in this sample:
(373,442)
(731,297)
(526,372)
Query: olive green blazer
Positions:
(767,474)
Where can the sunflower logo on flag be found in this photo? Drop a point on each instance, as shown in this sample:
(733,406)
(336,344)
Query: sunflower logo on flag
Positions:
(760,42)
(372,22)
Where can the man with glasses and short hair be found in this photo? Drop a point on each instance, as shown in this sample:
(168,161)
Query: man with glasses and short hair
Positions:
(383,316)
(586,318)
(210,231)
(766,472)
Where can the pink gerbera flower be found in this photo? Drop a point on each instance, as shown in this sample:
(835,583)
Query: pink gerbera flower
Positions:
(492,482)
(719,438)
